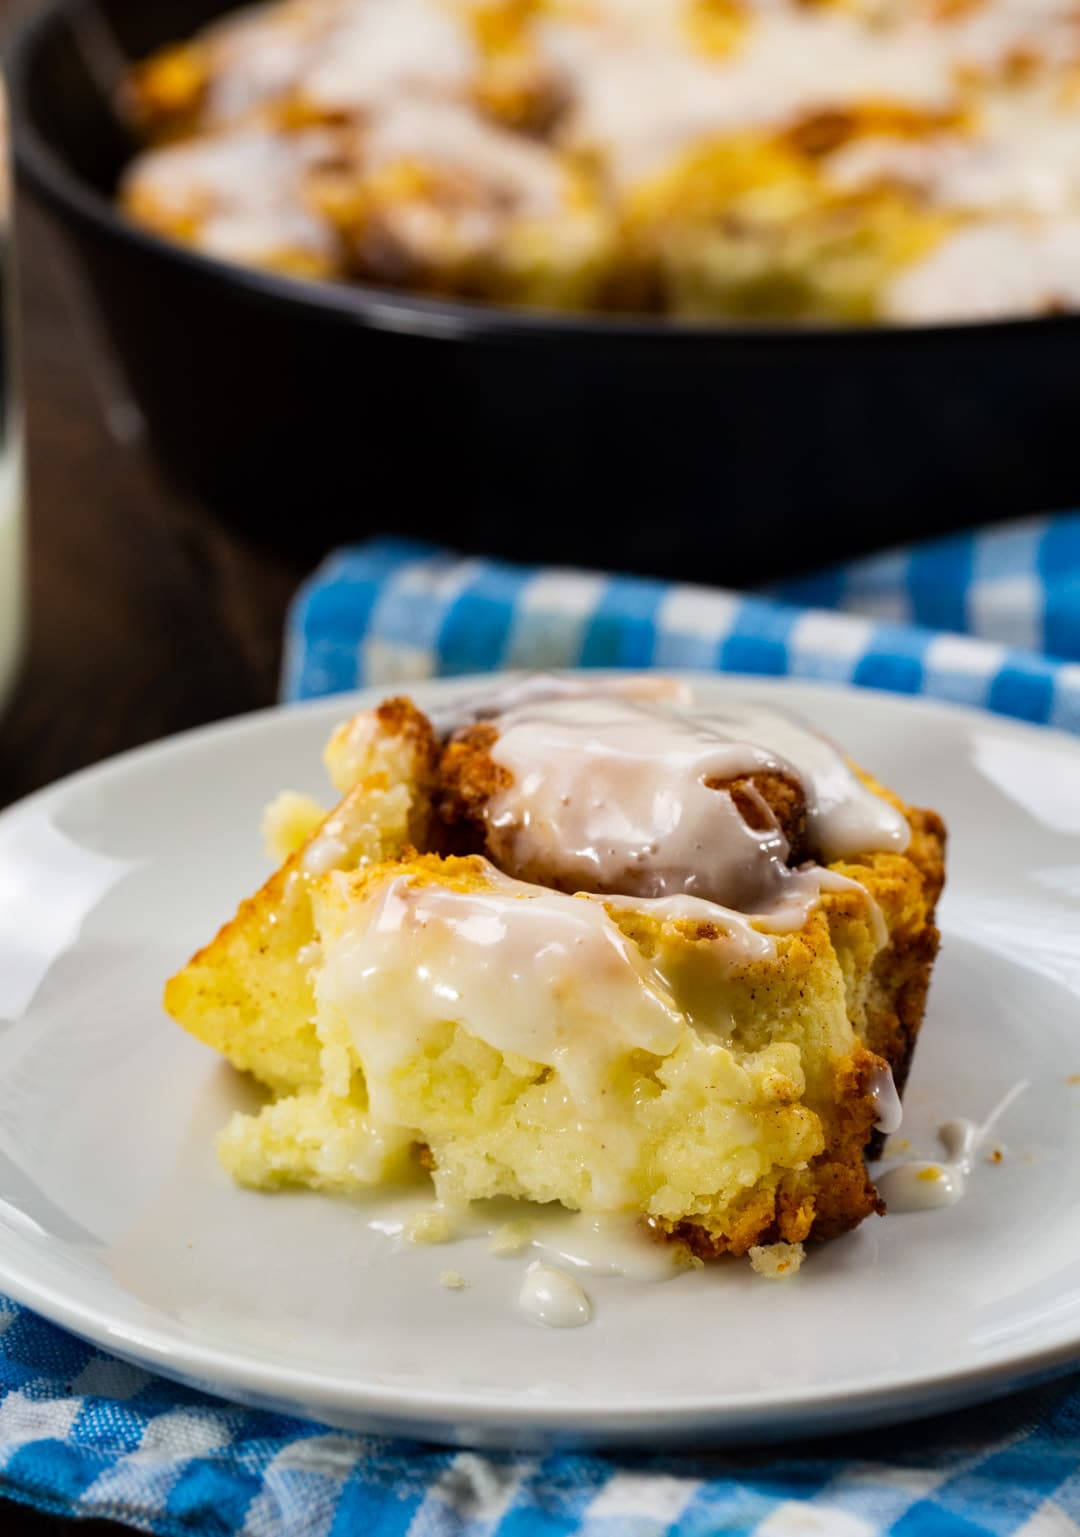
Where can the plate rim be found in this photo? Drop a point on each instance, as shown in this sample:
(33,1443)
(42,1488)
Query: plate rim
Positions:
(474,1416)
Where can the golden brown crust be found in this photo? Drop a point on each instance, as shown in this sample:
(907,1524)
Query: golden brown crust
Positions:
(843,1192)
(468,777)
(907,888)
(769,797)
(902,971)
(400,720)
(396,738)
(829,1197)
(400,717)
(235,990)
(163,97)
(927,851)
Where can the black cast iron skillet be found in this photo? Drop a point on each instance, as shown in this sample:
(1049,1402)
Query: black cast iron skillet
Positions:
(310,413)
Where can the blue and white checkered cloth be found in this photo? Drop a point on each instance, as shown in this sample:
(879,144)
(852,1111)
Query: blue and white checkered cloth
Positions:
(991,619)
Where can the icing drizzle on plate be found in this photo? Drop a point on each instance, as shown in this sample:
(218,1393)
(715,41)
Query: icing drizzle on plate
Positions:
(920,1184)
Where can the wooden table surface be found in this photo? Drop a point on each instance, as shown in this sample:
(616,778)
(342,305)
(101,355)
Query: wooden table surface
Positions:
(146,617)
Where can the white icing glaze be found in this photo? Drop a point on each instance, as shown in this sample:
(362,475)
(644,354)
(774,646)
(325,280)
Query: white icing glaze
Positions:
(995,83)
(844,817)
(992,34)
(383,51)
(961,1138)
(604,1244)
(242,191)
(536,688)
(738,935)
(747,937)
(259,53)
(518,176)
(593,1243)
(642,95)
(340,55)
(890,1112)
(991,269)
(922,1186)
(607,796)
(612,794)
(569,1246)
(1025,162)
(539,976)
(551,1297)
(502,963)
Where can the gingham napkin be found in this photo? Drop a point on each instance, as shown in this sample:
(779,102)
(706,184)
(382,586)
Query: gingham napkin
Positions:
(990,619)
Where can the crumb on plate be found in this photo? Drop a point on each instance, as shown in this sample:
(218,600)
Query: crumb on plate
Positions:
(777,1261)
(431,1226)
(511,1238)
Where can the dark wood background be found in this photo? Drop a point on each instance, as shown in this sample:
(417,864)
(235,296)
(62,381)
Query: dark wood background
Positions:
(145,617)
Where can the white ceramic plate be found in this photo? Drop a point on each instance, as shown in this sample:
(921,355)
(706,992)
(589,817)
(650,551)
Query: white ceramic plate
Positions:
(116,1222)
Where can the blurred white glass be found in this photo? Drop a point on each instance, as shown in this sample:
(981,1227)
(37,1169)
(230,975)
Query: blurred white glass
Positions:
(12,567)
